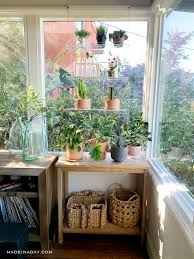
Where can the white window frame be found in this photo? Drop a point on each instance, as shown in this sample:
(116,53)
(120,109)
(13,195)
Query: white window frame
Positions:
(177,196)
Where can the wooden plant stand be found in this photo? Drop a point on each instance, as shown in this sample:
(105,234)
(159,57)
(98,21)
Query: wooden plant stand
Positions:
(131,166)
(44,169)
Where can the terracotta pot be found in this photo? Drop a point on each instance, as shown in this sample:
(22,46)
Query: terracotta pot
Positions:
(75,155)
(112,104)
(135,150)
(83,104)
(104,149)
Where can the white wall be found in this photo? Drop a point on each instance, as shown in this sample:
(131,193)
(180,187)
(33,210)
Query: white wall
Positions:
(167,238)
(99,181)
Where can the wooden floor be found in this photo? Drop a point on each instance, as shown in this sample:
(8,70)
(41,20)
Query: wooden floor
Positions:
(94,247)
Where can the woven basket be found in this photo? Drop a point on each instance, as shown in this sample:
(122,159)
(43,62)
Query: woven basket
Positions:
(87,209)
(124,209)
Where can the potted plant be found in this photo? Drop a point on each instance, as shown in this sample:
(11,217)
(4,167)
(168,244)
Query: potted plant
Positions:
(82,102)
(112,103)
(118,38)
(71,136)
(100,129)
(101,32)
(119,148)
(138,134)
(82,34)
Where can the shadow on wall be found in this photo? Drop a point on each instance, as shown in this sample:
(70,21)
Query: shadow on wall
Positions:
(166,237)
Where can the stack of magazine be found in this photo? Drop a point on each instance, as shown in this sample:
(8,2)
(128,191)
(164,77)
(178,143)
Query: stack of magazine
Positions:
(17,210)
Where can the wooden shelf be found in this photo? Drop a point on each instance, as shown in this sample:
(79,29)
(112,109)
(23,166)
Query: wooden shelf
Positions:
(109,229)
(19,194)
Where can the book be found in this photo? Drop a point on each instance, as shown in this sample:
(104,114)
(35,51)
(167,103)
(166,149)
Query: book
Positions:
(11,186)
(16,210)
(27,212)
(22,212)
(9,212)
(3,210)
(32,211)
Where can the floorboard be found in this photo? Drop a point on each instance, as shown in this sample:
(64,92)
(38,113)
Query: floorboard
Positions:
(96,247)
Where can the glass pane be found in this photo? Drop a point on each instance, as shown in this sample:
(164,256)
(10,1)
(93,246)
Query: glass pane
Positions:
(67,60)
(177,97)
(12,72)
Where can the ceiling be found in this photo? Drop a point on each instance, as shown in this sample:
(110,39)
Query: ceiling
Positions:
(138,3)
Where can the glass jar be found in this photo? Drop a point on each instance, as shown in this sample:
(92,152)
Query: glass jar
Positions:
(15,138)
(29,149)
(35,141)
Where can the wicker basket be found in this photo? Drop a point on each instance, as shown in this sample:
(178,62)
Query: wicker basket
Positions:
(87,209)
(124,209)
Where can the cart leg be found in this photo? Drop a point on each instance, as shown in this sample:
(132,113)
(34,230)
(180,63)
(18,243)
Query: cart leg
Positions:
(60,204)
(144,207)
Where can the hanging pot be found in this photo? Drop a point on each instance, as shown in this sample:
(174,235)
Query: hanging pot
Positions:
(101,40)
(117,40)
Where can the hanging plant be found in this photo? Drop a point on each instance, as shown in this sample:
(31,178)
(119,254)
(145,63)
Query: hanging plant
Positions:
(82,34)
(118,38)
(101,32)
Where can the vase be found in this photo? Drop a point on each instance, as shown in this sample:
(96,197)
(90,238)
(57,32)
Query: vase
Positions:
(34,139)
(15,138)
(28,151)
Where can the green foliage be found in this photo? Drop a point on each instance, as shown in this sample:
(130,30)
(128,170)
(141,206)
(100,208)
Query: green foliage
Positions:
(71,136)
(138,132)
(99,127)
(101,30)
(12,74)
(81,89)
(96,152)
(82,34)
(119,138)
(118,34)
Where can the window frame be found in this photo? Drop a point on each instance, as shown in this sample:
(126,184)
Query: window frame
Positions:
(177,197)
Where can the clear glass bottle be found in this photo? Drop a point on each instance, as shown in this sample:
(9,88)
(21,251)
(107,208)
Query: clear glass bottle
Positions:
(29,149)
(35,141)
(15,138)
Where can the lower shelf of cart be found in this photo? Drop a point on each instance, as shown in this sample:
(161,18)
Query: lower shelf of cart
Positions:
(108,229)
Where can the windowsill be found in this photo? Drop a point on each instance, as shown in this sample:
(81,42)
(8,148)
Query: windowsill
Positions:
(175,197)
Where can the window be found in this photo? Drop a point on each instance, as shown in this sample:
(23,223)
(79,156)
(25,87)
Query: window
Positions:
(66,62)
(12,72)
(176,86)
